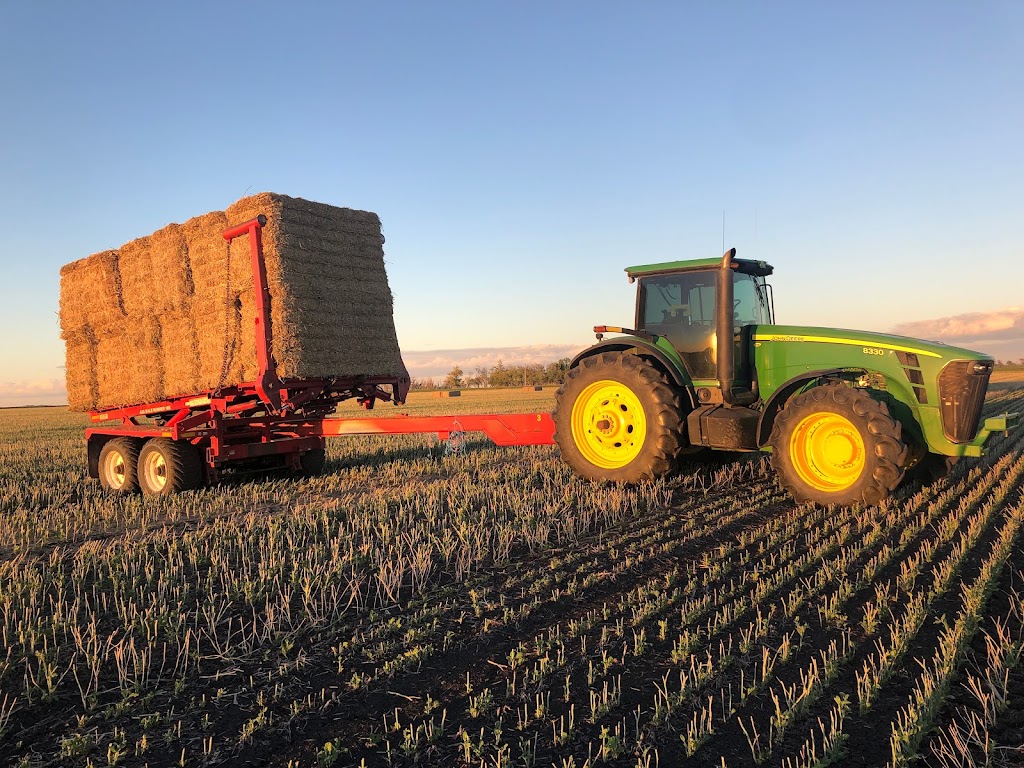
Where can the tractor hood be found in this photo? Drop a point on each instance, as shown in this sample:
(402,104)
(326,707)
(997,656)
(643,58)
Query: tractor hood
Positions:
(935,390)
(858,343)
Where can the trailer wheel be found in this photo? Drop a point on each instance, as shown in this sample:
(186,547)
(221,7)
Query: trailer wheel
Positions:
(836,445)
(617,418)
(312,462)
(118,465)
(167,467)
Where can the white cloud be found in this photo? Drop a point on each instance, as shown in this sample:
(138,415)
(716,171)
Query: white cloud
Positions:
(438,362)
(33,392)
(1005,323)
(999,332)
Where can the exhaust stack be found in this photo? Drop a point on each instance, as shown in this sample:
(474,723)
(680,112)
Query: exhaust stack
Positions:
(725,361)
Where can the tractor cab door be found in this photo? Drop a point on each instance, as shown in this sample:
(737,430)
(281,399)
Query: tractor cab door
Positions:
(681,307)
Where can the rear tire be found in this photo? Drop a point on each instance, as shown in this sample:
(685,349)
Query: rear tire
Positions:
(167,467)
(836,445)
(617,418)
(118,465)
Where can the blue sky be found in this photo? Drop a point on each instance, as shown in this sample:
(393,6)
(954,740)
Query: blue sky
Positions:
(521,154)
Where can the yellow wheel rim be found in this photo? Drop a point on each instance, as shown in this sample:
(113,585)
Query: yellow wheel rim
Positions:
(114,469)
(608,424)
(155,468)
(827,452)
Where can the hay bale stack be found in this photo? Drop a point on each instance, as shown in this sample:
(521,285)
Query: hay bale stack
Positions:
(173,313)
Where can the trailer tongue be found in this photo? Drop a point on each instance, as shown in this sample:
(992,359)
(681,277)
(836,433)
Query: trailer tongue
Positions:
(179,444)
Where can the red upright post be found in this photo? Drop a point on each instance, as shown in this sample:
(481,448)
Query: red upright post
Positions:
(268,385)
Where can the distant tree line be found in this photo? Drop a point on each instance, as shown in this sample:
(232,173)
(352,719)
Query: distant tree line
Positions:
(1010,363)
(500,375)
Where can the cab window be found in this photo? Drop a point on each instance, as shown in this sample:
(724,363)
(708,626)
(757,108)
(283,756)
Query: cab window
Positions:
(681,307)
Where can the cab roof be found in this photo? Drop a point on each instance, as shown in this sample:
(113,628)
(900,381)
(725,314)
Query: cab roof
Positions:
(756,268)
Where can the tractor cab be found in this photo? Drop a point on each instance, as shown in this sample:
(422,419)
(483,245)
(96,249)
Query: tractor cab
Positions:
(707,309)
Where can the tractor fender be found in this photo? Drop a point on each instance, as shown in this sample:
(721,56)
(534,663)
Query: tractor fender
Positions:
(779,397)
(663,361)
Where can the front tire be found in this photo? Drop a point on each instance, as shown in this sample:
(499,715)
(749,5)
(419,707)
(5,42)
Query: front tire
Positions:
(836,445)
(617,418)
(167,467)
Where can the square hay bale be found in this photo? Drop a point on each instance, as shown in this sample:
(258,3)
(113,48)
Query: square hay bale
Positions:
(449,393)
(135,265)
(90,292)
(207,256)
(80,369)
(226,340)
(129,368)
(171,268)
(155,273)
(179,347)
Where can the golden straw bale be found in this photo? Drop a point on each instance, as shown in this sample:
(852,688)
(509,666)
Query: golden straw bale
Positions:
(207,254)
(134,261)
(179,348)
(90,292)
(227,343)
(80,369)
(172,272)
(129,368)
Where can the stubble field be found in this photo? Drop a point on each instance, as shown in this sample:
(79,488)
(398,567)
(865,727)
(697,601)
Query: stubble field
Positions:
(487,608)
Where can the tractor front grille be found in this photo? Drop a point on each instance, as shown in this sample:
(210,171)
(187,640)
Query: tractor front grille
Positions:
(962,385)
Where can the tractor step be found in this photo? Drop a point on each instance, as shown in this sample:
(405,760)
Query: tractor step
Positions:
(724,428)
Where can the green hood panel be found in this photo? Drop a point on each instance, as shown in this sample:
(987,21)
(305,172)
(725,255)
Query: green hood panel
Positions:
(908,369)
(812,336)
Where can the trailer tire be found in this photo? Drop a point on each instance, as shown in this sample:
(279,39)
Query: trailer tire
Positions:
(833,444)
(167,467)
(618,418)
(312,462)
(118,465)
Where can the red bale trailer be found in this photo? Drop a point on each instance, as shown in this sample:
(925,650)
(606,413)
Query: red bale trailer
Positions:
(183,443)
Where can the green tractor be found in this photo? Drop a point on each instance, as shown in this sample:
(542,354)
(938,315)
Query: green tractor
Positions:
(845,414)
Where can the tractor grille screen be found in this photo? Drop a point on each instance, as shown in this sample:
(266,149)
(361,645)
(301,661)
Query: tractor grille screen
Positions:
(961,395)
